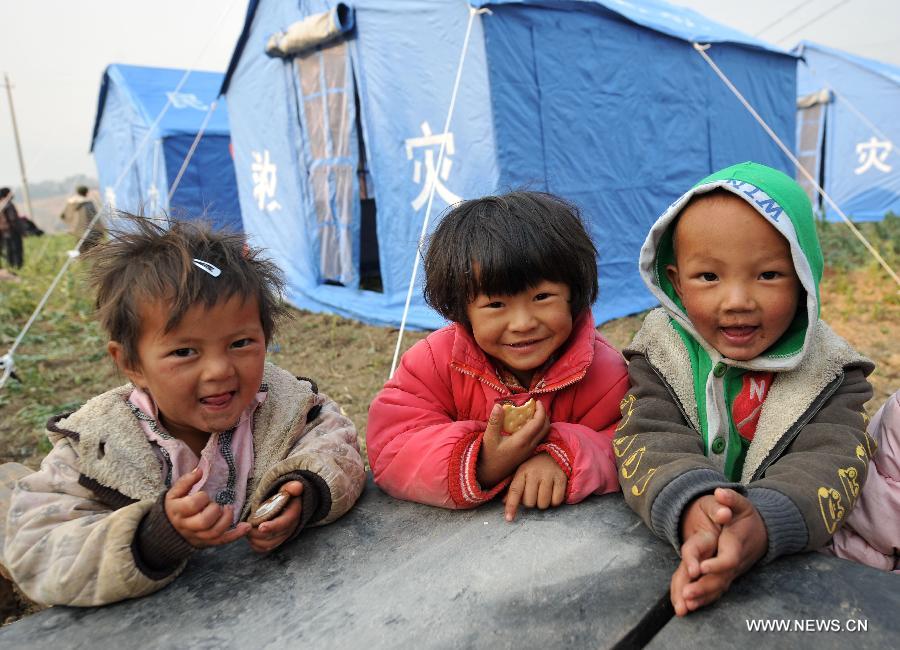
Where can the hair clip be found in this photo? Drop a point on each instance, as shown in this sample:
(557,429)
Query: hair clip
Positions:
(214,271)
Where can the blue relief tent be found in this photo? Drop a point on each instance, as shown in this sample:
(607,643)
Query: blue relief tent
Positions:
(131,100)
(848,131)
(337,142)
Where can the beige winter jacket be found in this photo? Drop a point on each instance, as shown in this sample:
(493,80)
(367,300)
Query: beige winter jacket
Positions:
(89,528)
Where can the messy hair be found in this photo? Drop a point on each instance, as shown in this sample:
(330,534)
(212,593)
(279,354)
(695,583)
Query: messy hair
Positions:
(502,245)
(147,260)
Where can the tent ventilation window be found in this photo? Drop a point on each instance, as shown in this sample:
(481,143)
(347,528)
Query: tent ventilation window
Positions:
(810,140)
(341,186)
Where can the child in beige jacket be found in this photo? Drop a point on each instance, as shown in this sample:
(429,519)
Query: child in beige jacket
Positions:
(183,455)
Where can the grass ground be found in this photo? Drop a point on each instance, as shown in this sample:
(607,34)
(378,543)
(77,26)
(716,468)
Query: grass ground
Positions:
(62,361)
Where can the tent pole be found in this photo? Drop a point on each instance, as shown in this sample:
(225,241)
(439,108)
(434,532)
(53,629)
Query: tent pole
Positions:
(12,114)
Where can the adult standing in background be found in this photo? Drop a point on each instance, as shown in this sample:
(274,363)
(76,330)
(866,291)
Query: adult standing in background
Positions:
(78,214)
(10,229)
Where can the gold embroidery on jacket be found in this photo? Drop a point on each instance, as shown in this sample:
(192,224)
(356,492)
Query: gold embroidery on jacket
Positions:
(831,507)
(626,407)
(640,485)
(849,476)
(622,445)
(630,466)
(871,444)
(861,454)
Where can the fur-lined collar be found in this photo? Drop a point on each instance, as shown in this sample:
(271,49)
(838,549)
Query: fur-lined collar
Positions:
(114,451)
(792,392)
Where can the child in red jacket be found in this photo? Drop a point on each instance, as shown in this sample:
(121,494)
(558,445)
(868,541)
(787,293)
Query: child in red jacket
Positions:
(516,274)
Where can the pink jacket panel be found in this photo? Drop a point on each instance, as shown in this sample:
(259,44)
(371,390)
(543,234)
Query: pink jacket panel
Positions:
(426,424)
(871,534)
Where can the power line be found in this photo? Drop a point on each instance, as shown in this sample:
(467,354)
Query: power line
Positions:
(810,22)
(790,12)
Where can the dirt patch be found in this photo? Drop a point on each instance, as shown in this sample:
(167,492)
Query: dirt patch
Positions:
(863,306)
(349,361)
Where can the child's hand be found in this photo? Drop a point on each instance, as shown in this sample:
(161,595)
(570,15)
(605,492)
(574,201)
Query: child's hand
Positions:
(200,521)
(701,526)
(271,534)
(741,543)
(539,482)
(500,455)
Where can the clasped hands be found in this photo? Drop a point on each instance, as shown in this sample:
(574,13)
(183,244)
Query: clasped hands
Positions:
(203,522)
(538,481)
(724,536)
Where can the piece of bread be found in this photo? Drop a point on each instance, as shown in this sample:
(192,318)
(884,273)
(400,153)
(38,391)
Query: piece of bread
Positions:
(269,508)
(515,417)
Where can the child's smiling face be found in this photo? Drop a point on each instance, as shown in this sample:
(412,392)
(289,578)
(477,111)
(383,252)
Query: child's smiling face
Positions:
(735,276)
(524,329)
(204,372)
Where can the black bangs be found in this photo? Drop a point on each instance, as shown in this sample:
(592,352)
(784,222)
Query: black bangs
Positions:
(502,245)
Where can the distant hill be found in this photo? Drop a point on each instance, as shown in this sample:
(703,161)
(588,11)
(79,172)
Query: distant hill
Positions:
(46,189)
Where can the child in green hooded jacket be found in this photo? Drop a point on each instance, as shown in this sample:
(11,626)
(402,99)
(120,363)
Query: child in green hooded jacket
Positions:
(743,436)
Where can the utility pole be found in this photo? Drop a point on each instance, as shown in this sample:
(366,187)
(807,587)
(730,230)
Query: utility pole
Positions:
(12,114)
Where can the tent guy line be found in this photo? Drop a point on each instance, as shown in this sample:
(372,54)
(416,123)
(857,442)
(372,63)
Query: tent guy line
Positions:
(193,148)
(412,280)
(7,361)
(701,49)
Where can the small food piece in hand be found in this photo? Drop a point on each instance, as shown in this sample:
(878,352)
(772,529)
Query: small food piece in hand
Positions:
(270,507)
(515,417)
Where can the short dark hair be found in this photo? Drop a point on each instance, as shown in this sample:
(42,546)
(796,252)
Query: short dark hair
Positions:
(4,192)
(502,245)
(81,190)
(149,259)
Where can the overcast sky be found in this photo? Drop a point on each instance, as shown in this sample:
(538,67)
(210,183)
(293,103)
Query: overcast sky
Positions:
(55,52)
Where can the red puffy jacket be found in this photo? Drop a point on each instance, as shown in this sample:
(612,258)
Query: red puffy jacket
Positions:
(425,426)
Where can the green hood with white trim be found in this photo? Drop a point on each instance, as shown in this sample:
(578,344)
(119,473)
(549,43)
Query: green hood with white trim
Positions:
(785,205)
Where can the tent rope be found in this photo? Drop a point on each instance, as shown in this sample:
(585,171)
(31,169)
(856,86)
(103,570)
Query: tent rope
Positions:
(7,361)
(193,148)
(9,357)
(701,49)
(440,161)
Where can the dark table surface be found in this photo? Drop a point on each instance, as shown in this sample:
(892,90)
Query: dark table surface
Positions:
(824,602)
(395,574)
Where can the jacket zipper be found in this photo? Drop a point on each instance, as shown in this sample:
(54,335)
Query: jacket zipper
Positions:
(801,422)
(505,391)
(501,390)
